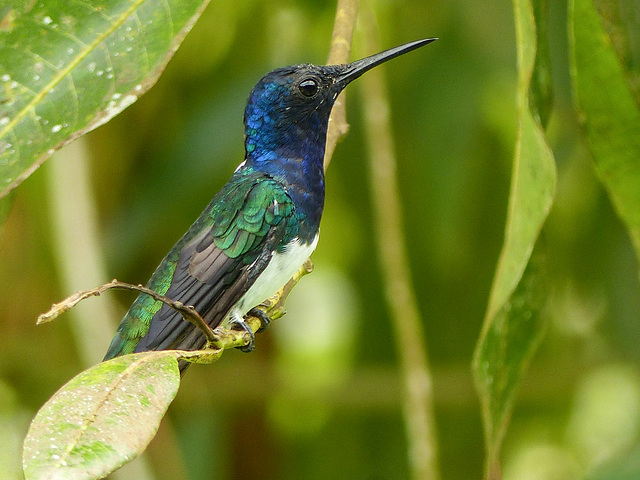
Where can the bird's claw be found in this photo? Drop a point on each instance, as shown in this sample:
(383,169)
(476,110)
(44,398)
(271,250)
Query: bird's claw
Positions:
(239,324)
(261,315)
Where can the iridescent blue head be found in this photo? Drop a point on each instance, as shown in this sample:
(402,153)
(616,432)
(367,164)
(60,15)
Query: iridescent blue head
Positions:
(288,110)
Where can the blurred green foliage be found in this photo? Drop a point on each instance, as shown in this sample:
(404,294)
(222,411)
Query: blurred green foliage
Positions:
(330,408)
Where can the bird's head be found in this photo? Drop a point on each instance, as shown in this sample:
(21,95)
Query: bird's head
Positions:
(287,105)
(288,110)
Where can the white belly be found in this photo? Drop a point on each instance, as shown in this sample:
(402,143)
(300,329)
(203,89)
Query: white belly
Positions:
(278,272)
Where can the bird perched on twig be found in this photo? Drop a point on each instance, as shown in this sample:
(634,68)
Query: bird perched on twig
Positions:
(262,225)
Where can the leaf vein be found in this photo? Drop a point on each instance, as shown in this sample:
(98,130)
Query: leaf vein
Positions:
(62,72)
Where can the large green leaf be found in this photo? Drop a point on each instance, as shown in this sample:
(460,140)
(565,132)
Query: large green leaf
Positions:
(513,326)
(102,418)
(609,112)
(68,66)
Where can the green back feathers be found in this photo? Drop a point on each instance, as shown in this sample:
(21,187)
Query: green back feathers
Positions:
(241,224)
(238,218)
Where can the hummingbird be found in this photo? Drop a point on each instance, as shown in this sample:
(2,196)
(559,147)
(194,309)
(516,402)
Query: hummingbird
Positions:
(262,225)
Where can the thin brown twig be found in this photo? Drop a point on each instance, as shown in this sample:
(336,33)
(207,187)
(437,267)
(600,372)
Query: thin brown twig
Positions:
(188,313)
(218,339)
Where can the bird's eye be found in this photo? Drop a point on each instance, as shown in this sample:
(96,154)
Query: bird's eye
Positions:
(308,87)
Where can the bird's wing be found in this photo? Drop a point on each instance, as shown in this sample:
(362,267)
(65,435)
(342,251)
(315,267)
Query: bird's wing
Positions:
(212,266)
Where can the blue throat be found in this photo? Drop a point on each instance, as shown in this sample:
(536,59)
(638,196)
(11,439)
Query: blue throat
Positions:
(289,146)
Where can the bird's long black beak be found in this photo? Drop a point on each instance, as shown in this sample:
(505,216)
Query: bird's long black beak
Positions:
(354,69)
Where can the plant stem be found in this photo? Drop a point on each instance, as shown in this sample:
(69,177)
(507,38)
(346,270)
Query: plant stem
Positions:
(340,51)
(400,296)
(77,250)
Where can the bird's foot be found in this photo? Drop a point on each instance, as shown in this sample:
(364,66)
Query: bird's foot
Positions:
(261,315)
(239,324)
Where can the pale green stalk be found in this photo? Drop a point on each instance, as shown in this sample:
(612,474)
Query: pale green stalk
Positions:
(417,397)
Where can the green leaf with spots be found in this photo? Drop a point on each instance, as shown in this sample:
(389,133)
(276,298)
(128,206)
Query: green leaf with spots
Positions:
(513,326)
(68,66)
(102,418)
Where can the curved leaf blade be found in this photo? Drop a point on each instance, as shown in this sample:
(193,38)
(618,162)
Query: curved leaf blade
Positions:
(611,118)
(513,326)
(68,66)
(502,355)
(102,418)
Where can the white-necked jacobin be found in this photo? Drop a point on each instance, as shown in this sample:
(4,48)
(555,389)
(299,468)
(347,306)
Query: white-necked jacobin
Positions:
(262,225)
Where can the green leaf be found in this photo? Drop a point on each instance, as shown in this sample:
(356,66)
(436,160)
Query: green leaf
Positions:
(619,18)
(67,67)
(102,418)
(512,326)
(508,341)
(609,113)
